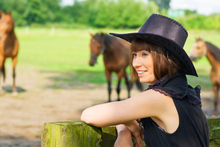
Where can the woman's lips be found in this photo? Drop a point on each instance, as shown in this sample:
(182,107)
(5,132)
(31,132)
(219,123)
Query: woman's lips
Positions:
(141,73)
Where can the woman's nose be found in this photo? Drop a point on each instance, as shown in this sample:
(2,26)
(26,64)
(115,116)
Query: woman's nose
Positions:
(136,62)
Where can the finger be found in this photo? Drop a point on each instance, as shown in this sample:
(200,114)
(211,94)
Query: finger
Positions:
(142,136)
(139,141)
(137,145)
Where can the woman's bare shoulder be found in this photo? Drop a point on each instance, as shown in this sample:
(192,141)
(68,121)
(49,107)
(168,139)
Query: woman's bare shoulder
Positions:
(150,103)
(152,95)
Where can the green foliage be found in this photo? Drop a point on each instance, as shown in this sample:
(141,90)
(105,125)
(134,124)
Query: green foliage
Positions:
(152,7)
(35,12)
(163,4)
(32,11)
(17,7)
(196,21)
(190,12)
(121,14)
(106,13)
(100,13)
(97,13)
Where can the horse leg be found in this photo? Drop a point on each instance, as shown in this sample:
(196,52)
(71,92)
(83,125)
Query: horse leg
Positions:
(128,84)
(139,85)
(108,76)
(215,89)
(119,74)
(2,61)
(3,71)
(14,62)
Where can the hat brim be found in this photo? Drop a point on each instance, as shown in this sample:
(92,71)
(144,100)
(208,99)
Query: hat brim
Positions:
(166,43)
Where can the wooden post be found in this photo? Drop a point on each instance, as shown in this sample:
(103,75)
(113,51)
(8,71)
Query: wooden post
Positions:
(70,134)
(79,134)
(214,131)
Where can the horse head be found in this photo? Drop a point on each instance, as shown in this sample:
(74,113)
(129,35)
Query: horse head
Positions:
(97,47)
(198,49)
(6,23)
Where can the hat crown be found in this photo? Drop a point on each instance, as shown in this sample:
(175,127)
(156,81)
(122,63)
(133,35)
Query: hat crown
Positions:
(165,27)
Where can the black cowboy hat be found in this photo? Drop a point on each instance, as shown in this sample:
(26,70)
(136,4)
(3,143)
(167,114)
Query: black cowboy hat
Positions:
(167,33)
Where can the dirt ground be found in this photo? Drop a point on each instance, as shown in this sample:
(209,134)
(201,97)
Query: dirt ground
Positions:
(22,117)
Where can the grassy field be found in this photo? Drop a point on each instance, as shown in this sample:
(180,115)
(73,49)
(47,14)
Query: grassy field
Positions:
(67,52)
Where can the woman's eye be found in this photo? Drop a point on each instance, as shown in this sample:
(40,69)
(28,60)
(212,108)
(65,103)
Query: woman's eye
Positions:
(144,54)
(134,54)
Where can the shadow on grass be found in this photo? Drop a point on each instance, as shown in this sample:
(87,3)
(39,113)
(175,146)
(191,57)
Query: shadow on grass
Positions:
(93,79)
(10,141)
(82,79)
(8,89)
(77,79)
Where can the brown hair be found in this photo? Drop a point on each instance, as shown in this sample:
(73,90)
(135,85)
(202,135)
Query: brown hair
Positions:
(163,65)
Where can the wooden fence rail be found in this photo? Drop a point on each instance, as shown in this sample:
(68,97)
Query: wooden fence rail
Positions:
(79,134)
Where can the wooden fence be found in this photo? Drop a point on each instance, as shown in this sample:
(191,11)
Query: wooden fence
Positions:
(79,134)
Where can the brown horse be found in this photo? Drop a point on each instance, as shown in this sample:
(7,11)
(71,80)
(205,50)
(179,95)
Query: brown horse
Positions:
(202,48)
(116,56)
(8,46)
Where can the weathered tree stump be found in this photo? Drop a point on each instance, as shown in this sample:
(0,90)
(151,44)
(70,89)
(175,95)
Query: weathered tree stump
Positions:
(79,134)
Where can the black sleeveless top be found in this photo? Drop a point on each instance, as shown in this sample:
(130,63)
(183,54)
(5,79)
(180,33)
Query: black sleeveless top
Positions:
(193,127)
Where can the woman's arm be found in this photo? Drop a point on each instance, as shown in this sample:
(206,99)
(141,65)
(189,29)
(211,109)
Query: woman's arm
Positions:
(146,104)
(124,138)
(136,132)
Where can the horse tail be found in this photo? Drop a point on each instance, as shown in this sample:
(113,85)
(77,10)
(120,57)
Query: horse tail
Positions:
(139,85)
(3,72)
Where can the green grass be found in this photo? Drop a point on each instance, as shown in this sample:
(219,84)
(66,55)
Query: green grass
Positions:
(67,53)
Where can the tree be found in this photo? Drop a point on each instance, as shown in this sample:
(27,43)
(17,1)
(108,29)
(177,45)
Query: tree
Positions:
(189,12)
(37,12)
(17,7)
(110,13)
(163,4)
(54,9)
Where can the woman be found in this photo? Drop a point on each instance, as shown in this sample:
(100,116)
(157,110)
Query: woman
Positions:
(169,112)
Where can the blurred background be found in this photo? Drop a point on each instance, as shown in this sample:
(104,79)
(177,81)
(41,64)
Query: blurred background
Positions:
(53,76)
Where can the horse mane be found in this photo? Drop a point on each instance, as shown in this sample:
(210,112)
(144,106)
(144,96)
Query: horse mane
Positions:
(108,38)
(110,41)
(105,36)
(215,51)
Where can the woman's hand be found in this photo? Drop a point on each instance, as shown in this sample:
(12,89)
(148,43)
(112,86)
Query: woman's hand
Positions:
(136,132)
(124,138)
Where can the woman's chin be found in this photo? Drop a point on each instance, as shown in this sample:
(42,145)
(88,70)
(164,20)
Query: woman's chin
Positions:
(142,80)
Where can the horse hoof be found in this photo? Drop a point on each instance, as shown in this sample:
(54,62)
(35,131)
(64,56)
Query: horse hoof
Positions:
(14,93)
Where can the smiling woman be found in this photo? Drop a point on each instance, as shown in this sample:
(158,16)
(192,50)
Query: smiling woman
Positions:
(169,112)
(143,65)
(166,65)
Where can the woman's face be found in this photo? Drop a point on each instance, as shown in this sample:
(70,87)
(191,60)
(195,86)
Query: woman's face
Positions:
(144,66)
